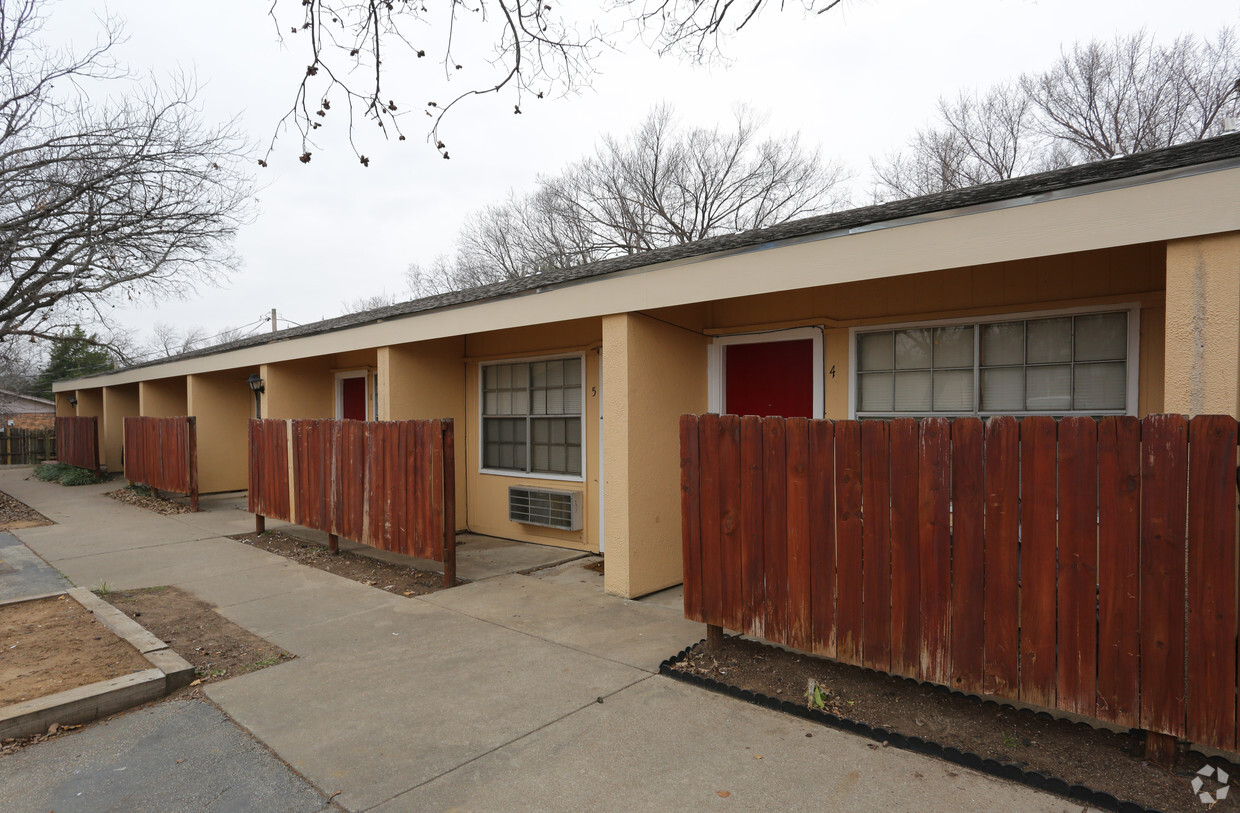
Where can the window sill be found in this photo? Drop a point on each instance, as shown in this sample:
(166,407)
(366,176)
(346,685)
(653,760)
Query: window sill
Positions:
(562,478)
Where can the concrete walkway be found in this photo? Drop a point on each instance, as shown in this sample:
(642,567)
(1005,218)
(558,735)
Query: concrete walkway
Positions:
(515,692)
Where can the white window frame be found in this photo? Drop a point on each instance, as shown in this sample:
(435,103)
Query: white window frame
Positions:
(363,374)
(1132,372)
(716,370)
(534,475)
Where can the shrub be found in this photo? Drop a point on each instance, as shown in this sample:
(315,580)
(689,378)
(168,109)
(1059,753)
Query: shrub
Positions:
(50,472)
(66,475)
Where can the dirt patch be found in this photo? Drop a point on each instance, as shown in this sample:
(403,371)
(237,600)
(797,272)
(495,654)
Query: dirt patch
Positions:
(145,498)
(15,514)
(55,644)
(401,580)
(1099,759)
(216,647)
(594,567)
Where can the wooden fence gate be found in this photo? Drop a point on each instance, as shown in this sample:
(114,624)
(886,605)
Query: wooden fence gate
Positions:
(163,453)
(79,441)
(387,484)
(1083,565)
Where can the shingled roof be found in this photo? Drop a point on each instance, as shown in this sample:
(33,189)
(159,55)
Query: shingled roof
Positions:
(1194,154)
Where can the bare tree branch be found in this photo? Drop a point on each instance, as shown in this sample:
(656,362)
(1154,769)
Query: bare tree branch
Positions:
(103,204)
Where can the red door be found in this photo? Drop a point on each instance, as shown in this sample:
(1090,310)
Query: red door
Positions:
(770,378)
(353,398)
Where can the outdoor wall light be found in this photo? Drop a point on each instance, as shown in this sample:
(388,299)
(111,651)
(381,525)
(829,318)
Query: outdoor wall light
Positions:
(255,382)
(72,400)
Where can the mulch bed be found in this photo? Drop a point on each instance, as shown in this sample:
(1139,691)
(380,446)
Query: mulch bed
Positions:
(15,514)
(1078,754)
(143,498)
(398,579)
(55,644)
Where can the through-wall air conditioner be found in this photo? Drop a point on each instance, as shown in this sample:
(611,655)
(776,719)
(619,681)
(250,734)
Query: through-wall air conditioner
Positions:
(545,507)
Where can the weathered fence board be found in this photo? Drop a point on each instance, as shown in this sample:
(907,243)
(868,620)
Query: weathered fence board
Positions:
(1076,564)
(163,453)
(386,484)
(78,441)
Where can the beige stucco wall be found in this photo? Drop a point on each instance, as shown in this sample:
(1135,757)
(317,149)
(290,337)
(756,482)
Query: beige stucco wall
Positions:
(424,381)
(653,373)
(90,405)
(222,404)
(299,389)
(163,398)
(1127,275)
(64,409)
(1203,325)
(487,494)
(119,403)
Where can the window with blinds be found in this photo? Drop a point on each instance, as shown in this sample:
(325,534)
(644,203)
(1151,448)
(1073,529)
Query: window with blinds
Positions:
(1055,365)
(532,416)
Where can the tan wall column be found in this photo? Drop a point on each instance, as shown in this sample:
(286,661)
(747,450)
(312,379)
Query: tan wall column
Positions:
(119,403)
(222,404)
(424,381)
(90,405)
(64,409)
(1202,368)
(653,373)
(299,389)
(163,398)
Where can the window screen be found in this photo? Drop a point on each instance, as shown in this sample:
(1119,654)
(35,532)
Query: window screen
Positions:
(531,416)
(1052,365)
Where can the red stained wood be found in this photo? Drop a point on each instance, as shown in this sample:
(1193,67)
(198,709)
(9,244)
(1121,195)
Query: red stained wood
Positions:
(800,601)
(712,590)
(876,544)
(1037,560)
(730,520)
(774,523)
(905,551)
(968,554)
(849,549)
(691,517)
(1164,475)
(77,441)
(159,454)
(1001,603)
(1119,587)
(753,577)
(934,511)
(448,449)
(822,536)
(1211,688)
(1077,609)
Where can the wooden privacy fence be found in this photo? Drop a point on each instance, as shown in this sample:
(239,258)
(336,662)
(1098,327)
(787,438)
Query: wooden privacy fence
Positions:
(79,442)
(27,445)
(387,484)
(163,453)
(1083,565)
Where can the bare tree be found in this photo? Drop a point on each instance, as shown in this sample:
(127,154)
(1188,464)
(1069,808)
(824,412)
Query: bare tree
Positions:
(169,340)
(103,203)
(526,49)
(1098,100)
(1104,99)
(370,303)
(661,185)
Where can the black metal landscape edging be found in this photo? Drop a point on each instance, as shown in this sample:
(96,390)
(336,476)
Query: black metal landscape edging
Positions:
(893,739)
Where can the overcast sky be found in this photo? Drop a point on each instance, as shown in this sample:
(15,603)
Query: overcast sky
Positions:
(856,81)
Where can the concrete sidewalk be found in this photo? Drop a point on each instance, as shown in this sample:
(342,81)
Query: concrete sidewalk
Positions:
(514,692)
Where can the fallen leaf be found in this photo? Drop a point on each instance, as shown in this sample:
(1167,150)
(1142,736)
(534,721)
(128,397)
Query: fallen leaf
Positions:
(757,756)
(723,794)
(179,761)
(196,682)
